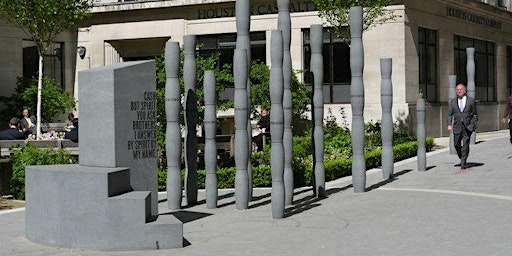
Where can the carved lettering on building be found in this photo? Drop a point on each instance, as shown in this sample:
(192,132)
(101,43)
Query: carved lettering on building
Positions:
(473,17)
(259,9)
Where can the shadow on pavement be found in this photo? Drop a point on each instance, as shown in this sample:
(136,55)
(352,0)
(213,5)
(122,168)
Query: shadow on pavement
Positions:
(384,182)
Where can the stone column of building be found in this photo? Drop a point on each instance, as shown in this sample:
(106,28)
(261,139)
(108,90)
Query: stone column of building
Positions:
(317,70)
(241,149)
(452,80)
(210,145)
(386,100)
(470,71)
(173,132)
(357,98)
(190,109)
(243,41)
(276,124)
(284,24)
(420,133)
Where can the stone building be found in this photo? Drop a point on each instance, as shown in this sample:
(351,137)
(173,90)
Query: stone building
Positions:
(427,43)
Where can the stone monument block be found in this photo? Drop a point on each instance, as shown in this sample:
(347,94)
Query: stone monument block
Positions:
(118,121)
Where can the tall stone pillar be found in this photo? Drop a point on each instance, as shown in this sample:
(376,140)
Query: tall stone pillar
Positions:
(276,124)
(317,70)
(284,24)
(357,98)
(420,133)
(470,71)
(189,74)
(210,145)
(452,80)
(173,131)
(243,41)
(241,149)
(386,100)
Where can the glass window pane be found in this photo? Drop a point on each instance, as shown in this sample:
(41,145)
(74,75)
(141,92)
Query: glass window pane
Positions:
(341,63)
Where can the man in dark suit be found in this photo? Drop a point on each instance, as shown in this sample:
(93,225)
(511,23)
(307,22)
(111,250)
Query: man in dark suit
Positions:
(13,132)
(28,123)
(462,117)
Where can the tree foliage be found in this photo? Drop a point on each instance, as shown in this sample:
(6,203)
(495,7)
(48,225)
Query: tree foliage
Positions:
(55,102)
(43,20)
(336,13)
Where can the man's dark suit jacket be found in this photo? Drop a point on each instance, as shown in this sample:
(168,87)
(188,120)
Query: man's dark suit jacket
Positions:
(466,118)
(11,134)
(24,124)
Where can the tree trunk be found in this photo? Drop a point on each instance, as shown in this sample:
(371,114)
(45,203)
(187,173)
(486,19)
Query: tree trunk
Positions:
(39,89)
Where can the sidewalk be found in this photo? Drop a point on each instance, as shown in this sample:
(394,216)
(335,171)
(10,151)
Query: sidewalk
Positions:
(442,211)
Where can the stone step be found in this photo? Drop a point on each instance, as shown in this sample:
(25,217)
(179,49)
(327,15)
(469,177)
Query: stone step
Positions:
(165,232)
(132,208)
(118,182)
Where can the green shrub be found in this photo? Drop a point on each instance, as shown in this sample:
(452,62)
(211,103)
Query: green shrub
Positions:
(30,155)
(302,165)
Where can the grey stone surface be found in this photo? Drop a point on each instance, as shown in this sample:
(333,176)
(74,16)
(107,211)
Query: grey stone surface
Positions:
(284,24)
(357,98)
(173,130)
(452,80)
(470,72)
(210,145)
(277,124)
(118,121)
(386,101)
(421,134)
(243,42)
(442,211)
(317,70)
(241,136)
(77,206)
(93,205)
(190,116)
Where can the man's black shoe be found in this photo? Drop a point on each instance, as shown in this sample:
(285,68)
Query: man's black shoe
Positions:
(463,167)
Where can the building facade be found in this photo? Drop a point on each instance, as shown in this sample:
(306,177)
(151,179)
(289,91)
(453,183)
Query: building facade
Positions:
(427,43)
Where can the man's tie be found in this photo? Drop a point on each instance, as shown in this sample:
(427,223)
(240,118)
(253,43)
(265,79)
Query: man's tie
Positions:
(461,105)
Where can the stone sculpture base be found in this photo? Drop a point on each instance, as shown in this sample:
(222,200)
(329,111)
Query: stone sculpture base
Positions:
(76,206)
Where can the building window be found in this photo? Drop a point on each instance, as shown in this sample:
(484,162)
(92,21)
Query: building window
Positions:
(485,83)
(53,66)
(336,59)
(225,44)
(427,51)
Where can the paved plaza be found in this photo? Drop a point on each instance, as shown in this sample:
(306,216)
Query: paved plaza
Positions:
(442,211)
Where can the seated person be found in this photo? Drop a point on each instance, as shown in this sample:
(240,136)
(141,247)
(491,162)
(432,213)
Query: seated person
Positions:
(28,123)
(262,127)
(13,132)
(72,134)
(71,121)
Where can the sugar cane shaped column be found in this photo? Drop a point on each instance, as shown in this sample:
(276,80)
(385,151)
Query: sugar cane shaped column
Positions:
(357,98)
(189,74)
(470,71)
(173,131)
(452,80)
(243,41)
(276,124)
(317,69)
(241,149)
(386,101)
(284,24)
(210,145)
(420,133)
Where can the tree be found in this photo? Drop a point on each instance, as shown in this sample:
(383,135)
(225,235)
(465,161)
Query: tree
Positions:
(55,101)
(336,13)
(42,21)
